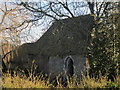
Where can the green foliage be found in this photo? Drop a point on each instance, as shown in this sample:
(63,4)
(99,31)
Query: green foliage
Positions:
(112,85)
(104,51)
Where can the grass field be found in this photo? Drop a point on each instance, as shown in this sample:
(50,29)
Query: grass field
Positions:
(35,82)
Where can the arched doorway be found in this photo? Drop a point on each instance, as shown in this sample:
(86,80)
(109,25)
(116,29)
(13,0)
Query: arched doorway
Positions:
(69,68)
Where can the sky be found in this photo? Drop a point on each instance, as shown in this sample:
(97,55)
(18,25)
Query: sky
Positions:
(59,0)
(35,32)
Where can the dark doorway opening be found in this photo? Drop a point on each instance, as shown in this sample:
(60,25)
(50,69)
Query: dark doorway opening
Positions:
(69,69)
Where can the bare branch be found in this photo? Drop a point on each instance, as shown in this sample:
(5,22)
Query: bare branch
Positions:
(91,6)
(6,54)
(60,15)
(32,9)
(67,8)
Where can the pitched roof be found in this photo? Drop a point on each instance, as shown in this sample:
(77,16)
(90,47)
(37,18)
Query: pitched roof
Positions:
(66,37)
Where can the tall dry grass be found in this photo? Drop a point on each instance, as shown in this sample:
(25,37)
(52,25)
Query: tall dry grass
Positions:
(40,82)
(19,81)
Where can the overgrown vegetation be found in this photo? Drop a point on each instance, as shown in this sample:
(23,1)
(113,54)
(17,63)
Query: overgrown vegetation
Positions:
(104,51)
(40,82)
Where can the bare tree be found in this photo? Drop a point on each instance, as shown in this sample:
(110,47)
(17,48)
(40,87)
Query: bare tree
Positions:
(12,22)
(55,10)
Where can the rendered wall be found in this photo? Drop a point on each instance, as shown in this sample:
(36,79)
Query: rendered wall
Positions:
(56,65)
